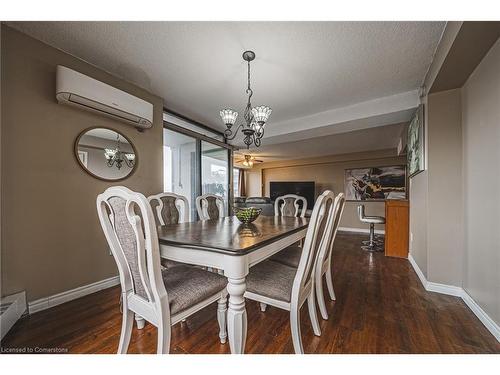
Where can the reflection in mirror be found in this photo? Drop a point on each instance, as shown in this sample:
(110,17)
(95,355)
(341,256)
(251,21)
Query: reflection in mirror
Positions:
(106,154)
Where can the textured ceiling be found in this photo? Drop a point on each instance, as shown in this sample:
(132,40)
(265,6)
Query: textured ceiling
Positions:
(301,68)
(378,138)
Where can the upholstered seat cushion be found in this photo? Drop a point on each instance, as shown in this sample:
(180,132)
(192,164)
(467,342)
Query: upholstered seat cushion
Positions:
(290,256)
(188,285)
(170,263)
(271,279)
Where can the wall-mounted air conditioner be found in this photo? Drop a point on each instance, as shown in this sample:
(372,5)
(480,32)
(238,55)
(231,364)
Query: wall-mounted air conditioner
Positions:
(87,93)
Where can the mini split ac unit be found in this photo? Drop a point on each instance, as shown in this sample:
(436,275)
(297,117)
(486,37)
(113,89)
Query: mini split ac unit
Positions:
(77,89)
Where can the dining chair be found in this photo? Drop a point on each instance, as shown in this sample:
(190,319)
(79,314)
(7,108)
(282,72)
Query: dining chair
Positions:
(285,287)
(288,205)
(210,206)
(162,297)
(324,260)
(291,256)
(170,208)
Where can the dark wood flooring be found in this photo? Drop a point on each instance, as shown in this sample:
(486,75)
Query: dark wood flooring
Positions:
(381,307)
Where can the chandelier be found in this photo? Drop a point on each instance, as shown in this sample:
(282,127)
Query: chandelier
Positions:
(255,118)
(117,157)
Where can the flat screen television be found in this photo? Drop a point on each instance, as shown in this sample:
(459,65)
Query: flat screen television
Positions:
(302,188)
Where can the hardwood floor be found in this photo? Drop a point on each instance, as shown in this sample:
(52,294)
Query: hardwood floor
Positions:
(381,307)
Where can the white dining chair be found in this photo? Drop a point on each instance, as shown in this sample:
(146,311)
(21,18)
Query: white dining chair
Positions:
(285,287)
(324,260)
(162,297)
(170,208)
(210,206)
(288,205)
(291,256)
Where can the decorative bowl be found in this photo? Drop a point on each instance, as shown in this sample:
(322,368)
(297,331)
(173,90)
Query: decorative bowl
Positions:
(247,214)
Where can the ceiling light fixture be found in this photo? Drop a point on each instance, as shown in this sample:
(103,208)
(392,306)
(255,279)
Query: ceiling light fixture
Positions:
(248,162)
(117,157)
(255,118)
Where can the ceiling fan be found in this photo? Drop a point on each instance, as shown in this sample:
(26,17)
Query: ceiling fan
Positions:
(246,160)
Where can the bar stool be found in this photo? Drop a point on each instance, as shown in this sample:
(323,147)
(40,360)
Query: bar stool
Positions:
(372,244)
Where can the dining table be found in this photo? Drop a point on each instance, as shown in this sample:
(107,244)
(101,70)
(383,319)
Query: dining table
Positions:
(232,247)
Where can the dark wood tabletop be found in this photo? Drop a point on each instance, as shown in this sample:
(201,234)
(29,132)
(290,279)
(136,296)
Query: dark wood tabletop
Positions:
(228,235)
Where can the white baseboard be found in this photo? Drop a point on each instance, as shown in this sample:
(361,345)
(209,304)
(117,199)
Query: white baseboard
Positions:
(69,295)
(418,271)
(450,290)
(481,315)
(13,307)
(361,230)
(457,291)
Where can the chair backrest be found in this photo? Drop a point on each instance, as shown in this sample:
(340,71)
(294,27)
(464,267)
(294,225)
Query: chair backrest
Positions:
(326,246)
(210,206)
(322,211)
(129,225)
(170,208)
(361,211)
(288,205)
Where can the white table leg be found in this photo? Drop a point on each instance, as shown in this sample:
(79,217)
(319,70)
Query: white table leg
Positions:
(140,321)
(237,315)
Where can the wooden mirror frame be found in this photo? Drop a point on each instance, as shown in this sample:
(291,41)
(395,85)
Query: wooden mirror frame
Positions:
(75,154)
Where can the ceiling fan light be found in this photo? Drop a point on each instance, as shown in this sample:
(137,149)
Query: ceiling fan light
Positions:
(261,114)
(228,116)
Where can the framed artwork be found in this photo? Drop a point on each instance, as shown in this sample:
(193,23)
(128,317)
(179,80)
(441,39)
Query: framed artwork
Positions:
(415,148)
(375,183)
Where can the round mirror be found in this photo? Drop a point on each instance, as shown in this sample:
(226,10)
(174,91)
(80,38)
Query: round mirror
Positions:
(105,154)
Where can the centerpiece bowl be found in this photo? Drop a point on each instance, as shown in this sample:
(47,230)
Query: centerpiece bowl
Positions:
(247,214)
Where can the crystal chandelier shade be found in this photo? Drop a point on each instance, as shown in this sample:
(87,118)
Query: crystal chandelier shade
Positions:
(228,116)
(261,113)
(255,118)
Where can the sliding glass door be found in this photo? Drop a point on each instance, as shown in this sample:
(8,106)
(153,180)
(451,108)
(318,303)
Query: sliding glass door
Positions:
(194,166)
(180,167)
(215,171)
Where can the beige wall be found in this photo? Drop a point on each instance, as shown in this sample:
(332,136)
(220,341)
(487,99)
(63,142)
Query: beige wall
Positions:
(445,196)
(418,219)
(328,173)
(436,194)
(481,141)
(456,234)
(51,239)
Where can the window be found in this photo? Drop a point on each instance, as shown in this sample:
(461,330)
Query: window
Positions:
(215,171)
(194,165)
(236,182)
(179,166)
